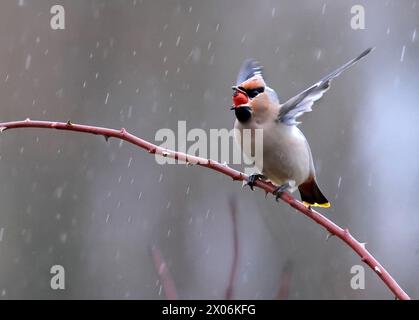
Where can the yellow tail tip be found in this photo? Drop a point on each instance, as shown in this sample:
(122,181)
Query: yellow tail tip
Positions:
(322,205)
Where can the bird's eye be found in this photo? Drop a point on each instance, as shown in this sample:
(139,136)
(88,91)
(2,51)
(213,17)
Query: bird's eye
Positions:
(251,93)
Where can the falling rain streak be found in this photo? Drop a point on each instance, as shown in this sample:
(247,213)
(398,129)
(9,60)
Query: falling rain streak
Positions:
(402,54)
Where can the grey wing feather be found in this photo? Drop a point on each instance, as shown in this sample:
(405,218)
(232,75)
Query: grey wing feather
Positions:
(303,102)
(249,68)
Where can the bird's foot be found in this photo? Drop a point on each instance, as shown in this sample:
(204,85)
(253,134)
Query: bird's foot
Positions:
(280,190)
(253,178)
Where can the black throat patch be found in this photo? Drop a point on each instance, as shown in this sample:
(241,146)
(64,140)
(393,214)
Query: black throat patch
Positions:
(243,114)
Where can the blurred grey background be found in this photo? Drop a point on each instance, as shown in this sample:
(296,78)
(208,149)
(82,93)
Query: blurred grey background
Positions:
(96,207)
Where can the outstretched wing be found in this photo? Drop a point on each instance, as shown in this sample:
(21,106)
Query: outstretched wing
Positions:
(303,101)
(248,69)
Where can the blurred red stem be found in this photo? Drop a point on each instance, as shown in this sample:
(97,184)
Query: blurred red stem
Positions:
(233,271)
(166,280)
(330,226)
(285,281)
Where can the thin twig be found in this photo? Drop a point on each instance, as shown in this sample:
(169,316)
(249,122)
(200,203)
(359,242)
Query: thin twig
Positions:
(330,226)
(233,271)
(165,277)
(285,281)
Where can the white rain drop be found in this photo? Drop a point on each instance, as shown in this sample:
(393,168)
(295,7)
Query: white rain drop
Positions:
(324,8)
(28,61)
(403,52)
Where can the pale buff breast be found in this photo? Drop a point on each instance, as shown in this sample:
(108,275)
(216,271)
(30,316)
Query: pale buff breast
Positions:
(286,154)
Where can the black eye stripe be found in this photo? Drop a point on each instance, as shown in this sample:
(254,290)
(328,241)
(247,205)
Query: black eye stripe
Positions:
(251,93)
(254,92)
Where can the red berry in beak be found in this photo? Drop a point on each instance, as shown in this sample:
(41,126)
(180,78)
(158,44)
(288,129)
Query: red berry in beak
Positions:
(240,98)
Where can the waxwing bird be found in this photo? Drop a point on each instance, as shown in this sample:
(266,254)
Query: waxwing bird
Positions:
(287,159)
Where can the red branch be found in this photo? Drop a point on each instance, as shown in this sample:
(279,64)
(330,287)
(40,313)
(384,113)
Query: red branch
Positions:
(285,281)
(166,280)
(233,271)
(330,226)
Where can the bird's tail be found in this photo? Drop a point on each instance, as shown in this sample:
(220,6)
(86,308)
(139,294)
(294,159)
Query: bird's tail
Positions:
(311,194)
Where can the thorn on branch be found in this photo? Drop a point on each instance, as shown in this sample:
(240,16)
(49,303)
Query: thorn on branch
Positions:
(123,131)
(106,137)
(329,235)
(3,129)
(152,150)
(69,123)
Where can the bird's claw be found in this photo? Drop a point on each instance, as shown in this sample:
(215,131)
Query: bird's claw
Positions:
(253,178)
(280,190)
